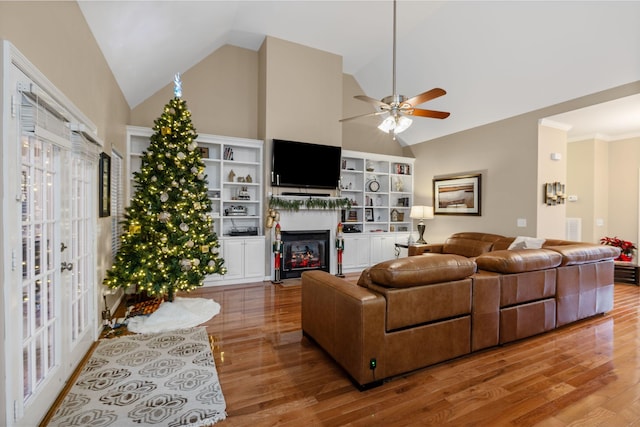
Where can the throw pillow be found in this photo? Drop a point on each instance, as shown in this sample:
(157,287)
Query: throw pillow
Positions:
(524,242)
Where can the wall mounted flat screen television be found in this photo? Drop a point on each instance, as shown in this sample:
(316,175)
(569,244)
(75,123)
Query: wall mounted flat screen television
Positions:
(305,165)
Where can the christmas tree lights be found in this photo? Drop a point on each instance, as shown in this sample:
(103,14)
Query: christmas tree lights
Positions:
(168,242)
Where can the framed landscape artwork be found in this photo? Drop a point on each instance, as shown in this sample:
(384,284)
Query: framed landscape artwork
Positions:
(457,195)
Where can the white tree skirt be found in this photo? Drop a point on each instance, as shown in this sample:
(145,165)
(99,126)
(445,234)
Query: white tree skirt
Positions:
(179,314)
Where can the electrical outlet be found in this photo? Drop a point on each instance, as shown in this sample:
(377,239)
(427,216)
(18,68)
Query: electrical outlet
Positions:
(373,363)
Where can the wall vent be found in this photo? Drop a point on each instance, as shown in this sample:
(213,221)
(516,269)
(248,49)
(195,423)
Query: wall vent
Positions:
(574,229)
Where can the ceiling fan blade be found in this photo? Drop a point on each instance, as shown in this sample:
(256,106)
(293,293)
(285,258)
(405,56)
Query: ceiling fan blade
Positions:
(363,115)
(424,97)
(428,113)
(375,102)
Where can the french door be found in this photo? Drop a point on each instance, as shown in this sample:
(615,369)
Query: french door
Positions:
(49,231)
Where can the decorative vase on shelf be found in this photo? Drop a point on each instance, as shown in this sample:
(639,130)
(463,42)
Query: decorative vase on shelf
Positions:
(625,258)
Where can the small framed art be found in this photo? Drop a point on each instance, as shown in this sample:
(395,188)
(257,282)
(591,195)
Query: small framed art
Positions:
(104,185)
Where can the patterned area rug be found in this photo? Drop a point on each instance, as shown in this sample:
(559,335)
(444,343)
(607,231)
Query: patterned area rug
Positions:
(166,379)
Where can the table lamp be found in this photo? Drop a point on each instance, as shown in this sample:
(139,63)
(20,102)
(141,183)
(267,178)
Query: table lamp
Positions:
(421,213)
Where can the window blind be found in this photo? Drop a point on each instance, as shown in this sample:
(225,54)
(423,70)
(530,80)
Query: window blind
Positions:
(117,202)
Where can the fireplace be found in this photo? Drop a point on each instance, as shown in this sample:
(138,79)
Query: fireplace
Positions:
(303,251)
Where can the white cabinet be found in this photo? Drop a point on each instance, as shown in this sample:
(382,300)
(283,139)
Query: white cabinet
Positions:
(356,252)
(363,250)
(380,188)
(244,259)
(234,184)
(382,248)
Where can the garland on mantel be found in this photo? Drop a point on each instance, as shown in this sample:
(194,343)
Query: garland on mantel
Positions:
(309,203)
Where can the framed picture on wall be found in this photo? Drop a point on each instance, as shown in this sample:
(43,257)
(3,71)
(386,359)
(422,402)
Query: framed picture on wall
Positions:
(457,195)
(104,185)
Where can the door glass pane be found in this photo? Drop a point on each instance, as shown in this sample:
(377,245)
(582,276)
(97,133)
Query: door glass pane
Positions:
(51,348)
(38,195)
(26,371)
(25,150)
(39,359)
(26,252)
(39,254)
(50,246)
(37,257)
(38,304)
(26,312)
(51,301)
(49,194)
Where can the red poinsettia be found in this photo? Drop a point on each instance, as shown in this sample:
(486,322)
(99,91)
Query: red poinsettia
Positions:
(626,247)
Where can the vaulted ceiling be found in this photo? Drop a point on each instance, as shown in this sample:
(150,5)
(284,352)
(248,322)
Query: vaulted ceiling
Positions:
(496,59)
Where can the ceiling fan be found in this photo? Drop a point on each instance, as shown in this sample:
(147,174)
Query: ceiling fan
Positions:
(398,107)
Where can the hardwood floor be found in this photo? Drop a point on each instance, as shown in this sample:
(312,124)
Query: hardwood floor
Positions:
(584,374)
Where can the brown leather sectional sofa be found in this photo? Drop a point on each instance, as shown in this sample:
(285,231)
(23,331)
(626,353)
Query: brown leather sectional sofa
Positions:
(447,300)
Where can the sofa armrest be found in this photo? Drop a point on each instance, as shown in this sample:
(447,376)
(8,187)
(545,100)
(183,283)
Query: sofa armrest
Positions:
(434,248)
(347,321)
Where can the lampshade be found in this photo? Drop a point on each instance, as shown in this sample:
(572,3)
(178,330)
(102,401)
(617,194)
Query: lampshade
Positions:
(395,124)
(421,212)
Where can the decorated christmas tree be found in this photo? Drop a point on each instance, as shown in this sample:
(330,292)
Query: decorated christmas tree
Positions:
(168,242)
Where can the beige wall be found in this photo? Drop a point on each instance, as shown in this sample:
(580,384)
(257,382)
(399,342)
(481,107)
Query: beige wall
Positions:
(624,163)
(55,38)
(551,219)
(506,153)
(221,92)
(604,175)
(588,179)
(303,96)
(227,95)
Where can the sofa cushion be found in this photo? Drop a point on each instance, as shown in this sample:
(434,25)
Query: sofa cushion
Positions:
(518,260)
(418,271)
(529,286)
(465,247)
(470,244)
(580,253)
(407,307)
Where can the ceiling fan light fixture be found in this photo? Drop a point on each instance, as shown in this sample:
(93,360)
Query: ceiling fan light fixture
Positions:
(395,124)
(402,124)
(387,125)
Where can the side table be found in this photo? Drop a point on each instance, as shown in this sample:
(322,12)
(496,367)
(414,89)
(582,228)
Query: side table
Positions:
(626,272)
(418,248)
